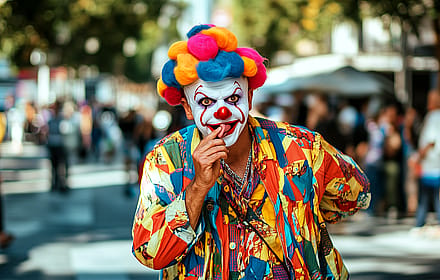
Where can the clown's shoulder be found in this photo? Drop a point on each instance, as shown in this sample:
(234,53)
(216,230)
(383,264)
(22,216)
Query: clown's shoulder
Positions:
(176,136)
(301,135)
(176,139)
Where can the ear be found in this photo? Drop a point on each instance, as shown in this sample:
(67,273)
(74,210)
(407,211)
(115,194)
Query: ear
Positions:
(250,97)
(187,108)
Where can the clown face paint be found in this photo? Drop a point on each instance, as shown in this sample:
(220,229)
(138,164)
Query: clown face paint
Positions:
(224,103)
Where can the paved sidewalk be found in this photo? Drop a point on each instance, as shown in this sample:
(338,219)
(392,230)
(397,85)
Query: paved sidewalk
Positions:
(380,248)
(83,234)
(86,233)
(28,170)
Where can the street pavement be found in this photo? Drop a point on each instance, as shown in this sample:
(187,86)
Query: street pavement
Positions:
(85,234)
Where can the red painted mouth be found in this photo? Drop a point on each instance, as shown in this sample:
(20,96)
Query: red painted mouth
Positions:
(229,127)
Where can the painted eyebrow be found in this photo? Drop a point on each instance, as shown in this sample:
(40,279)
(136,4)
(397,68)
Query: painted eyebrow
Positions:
(198,92)
(237,88)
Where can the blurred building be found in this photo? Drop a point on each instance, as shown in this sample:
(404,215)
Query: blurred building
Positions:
(406,60)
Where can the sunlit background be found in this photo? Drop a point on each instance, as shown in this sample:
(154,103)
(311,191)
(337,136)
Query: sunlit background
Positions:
(333,66)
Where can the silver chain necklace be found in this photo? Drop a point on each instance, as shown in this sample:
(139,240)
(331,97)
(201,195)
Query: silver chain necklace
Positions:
(240,181)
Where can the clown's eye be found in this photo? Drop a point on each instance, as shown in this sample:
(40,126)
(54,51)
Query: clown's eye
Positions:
(206,101)
(233,99)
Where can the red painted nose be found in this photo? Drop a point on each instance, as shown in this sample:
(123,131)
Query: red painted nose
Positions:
(222,113)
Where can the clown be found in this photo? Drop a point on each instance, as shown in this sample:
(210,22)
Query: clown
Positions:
(233,196)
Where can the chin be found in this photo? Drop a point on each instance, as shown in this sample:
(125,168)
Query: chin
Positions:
(230,140)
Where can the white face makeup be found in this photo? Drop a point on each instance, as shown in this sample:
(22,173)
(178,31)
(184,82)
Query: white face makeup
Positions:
(223,103)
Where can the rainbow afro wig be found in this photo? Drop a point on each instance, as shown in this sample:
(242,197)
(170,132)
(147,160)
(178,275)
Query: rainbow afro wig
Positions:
(210,54)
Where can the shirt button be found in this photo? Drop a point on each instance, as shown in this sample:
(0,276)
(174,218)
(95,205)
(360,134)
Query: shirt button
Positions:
(210,205)
(232,246)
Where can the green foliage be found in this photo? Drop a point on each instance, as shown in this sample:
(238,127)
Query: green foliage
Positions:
(407,12)
(275,25)
(61,28)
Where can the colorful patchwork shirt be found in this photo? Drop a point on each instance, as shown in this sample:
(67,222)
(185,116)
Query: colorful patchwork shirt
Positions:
(299,183)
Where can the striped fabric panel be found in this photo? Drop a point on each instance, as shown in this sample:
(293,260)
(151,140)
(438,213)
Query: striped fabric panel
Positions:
(279,273)
(234,236)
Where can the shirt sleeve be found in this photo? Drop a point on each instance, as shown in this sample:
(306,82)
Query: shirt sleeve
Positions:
(161,230)
(343,187)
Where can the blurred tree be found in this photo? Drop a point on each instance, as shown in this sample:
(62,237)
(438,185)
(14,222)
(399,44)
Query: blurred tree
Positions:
(117,36)
(120,36)
(274,25)
(277,25)
(409,14)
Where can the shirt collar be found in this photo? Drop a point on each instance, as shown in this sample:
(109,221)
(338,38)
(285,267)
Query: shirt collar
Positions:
(260,135)
(262,139)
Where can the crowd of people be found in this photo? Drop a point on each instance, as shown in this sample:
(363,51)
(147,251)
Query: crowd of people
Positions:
(382,136)
(75,132)
(387,138)
(390,142)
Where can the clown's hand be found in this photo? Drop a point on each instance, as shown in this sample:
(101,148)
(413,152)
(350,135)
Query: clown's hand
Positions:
(206,158)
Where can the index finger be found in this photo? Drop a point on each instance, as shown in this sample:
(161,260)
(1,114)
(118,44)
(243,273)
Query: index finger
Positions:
(214,133)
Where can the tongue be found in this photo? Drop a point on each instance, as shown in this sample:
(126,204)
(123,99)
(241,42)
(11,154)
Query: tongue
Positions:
(224,129)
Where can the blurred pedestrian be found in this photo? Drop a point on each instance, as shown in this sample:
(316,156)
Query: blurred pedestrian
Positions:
(86,124)
(128,124)
(15,121)
(58,153)
(429,158)
(373,160)
(71,129)
(96,134)
(30,128)
(5,238)
(346,124)
(318,113)
(111,133)
(394,199)
(144,133)
(410,137)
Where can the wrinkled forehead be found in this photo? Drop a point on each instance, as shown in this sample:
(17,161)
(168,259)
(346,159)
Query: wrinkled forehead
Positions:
(221,89)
